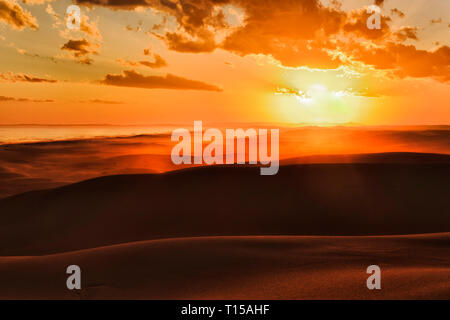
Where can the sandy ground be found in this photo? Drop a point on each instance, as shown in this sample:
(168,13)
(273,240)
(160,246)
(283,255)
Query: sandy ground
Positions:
(413,267)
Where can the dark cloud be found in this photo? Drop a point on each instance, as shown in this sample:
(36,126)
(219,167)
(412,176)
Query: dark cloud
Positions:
(179,42)
(134,79)
(18,18)
(15,77)
(356,24)
(80,49)
(397,12)
(405,33)
(33,2)
(14,99)
(436,21)
(117,4)
(148,52)
(158,62)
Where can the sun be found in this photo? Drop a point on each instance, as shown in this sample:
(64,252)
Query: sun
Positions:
(313,93)
(317,90)
(317,104)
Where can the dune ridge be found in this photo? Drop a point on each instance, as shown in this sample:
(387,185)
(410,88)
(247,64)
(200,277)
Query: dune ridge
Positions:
(314,199)
(281,267)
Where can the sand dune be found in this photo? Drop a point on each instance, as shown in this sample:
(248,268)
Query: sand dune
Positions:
(318,199)
(225,232)
(413,267)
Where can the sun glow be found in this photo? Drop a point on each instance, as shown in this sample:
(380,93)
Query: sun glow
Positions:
(314,92)
(318,104)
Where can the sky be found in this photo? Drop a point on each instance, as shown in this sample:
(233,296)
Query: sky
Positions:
(278,61)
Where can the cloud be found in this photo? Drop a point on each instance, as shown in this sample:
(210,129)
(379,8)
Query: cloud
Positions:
(18,18)
(56,18)
(436,21)
(294,32)
(79,47)
(100,101)
(299,94)
(90,28)
(405,33)
(4,99)
(136,80)
(407,60)
(367,92)
(148,52)
(33,2)
(87,28)
(397,12)
(356,25)
(178,42)
(301,33)
(305,95)
(379,3)
(193,16)
(118,4)
(137,28)
(80,50)
(158,62)
(15,77)
(88,35)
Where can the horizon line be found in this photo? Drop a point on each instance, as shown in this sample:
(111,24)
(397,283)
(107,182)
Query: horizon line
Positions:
(282,124)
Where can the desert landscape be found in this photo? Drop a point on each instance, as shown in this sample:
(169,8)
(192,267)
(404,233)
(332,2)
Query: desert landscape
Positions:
(225,232)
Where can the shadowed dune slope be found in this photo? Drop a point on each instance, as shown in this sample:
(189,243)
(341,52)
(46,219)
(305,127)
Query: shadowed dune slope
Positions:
(316,199)
(413,267)
(386,157)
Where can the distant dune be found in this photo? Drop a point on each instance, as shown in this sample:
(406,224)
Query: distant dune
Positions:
(315,199)
(413,267)
(48,164)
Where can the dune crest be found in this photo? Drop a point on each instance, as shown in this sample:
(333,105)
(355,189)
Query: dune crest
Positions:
(316,199)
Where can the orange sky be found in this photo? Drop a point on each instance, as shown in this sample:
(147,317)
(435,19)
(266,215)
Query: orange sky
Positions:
(156,61)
